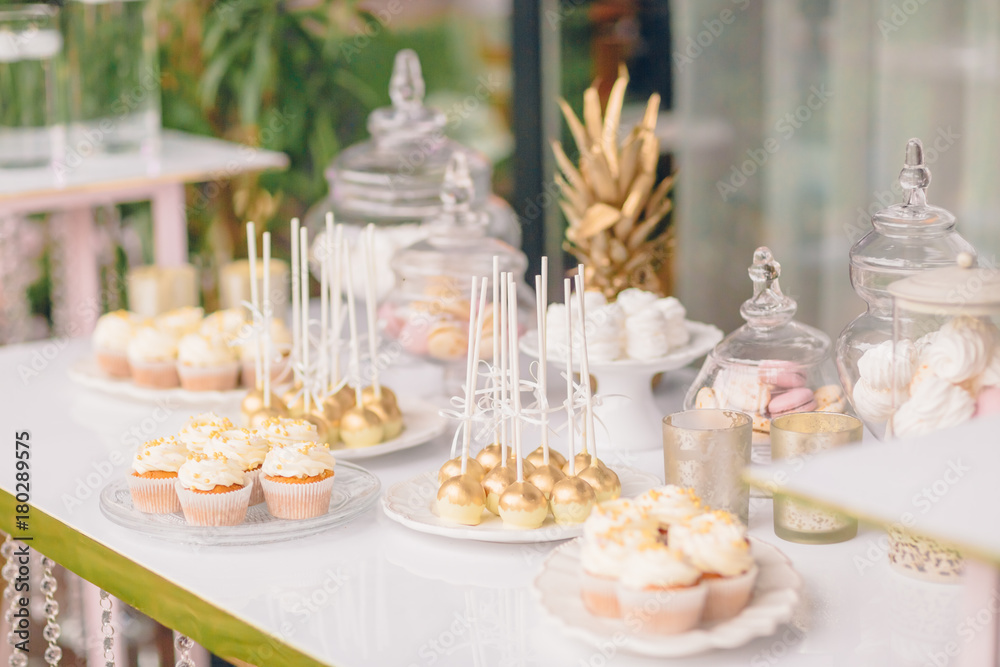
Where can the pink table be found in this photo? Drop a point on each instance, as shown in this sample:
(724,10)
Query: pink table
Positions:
(100,181)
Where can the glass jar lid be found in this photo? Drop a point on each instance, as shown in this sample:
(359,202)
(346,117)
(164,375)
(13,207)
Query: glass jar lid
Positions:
(396,175)
(958,289)
(771,332)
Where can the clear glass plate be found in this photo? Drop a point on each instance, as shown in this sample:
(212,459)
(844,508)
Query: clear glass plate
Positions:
(354,491)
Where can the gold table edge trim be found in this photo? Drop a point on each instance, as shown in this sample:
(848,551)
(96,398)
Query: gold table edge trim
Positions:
(175,607)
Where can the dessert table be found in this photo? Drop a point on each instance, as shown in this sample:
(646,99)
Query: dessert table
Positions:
(374,593)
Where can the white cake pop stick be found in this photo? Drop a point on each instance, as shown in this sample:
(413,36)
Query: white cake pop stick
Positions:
(570,412)
(352,319)
(502,381)
(515,373)
(304,306)
(590,442)
(296,304)
(476,319)
(496,350)
(324,308)
(254,301)
(338,294)
(543,384)
(370,308)
(266,305)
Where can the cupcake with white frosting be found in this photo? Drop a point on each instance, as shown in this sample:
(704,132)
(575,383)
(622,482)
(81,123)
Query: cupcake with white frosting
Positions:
(179,321)
(670,504)
(199,429)
(226,325)
(111,337)
(660,591)
(716,544)
(298,480)
(154,475)
(248,448)
(284,431)
(152,356)
(213,490)
(206,363)
(602,562)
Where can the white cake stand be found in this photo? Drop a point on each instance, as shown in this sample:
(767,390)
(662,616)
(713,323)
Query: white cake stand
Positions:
(629,419)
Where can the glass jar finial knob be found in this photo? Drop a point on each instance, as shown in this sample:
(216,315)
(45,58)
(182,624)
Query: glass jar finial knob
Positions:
(915,176)
(406,85)
(458,191)
(768,307)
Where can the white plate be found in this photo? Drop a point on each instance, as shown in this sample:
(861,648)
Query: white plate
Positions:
(421,424)
(704,337)
(775,597)
(354,491)
(86,373)
(411,503)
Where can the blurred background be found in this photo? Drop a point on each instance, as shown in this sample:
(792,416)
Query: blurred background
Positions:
(785,120)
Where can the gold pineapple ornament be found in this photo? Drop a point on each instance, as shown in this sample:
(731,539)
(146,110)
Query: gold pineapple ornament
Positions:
(614,208)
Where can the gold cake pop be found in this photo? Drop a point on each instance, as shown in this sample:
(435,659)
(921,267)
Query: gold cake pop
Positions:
(495,483)
(345,396)
(388,412)
(360,427)
(571,501)
(253,403)
(454,467)
(544,477)
(522,505)
(388,395)
(293,401)
(489,456)
(582,462)
(461,499)
(603,481)
(537,458)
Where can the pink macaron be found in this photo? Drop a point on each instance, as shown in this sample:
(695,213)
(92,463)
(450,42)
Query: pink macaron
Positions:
(987,402)
(782,374)
(799,399)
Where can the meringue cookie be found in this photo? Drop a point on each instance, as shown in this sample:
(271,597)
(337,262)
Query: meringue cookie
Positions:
(990,377)
(677,334)
(935,404)
(634,300)
(961,350)
(874,405)
(645,335)
(604,334)
(736,388)
(878,367)
(673,310)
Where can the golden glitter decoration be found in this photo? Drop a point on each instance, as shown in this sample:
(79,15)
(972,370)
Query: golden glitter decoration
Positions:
(253,403)
(461,500)
(489,457)
(522,505)
(360,427)
(603,481)
(495,483)
(544,477)
(617,220)
(571,501)
(537,458)
(453,468)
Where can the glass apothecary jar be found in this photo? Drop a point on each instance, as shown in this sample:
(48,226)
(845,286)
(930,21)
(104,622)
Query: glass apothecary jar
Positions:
(906,239)
(772,365)
(427,311)
(394,179)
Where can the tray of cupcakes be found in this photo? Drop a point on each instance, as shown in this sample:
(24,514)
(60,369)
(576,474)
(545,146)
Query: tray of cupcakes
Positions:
(215,484)
(667,577)
(499,495)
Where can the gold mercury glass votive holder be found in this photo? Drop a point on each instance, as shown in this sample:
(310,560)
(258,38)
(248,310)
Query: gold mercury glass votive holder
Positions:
(799,437)
(707,450)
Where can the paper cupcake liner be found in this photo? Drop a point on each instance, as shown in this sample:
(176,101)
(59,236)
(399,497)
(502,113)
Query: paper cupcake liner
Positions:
(155,374)
(154,496)
(727,596)
(214,509)
(600,595)
(297,501)
(666,611)
(209,378)
(256,490)
(114,364)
